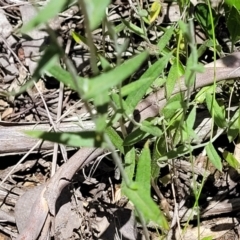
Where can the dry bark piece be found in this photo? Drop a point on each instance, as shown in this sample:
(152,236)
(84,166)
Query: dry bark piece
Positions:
(14,140)
(36,215)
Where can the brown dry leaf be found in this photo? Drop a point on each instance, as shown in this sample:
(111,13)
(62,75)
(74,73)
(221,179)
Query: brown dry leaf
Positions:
(41,86)
(237,150)
(7,112)
(29,118)
(3,104)
(31,211)
(4,237)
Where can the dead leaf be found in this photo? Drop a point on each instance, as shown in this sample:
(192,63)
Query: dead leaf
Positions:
(7,112)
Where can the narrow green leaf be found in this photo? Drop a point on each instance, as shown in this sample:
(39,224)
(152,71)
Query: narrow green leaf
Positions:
(213,156)
(152,72)
(101,103)
(159,149)
(137,85)
(115,139)
(175,72)
(82,40)
(201,95)
(104,63)
(144,203)
(233,3)
(234,127)
(129,162)
(134,137)
(174,104)
(190,72)
(119,28)
(66,78)
(204,46)
(207,238)
(96,11)
(232,161)
(191,118)
(143,172)
(113,77)
(134,28)
(217,112)
(233,23)
(121,107)
(187,133)
(178,152)
(76,139)
(154,11)
(101,122)
(165,39)
(203,17)
(148,127)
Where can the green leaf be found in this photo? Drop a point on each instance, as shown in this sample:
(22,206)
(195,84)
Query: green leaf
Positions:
(175,72)
(129,162)
(115,139)
(76,139)
(106,66)
(148,127)
(134,28)
(82,40)
(191,68)
(143,172)
(233,3)
(100,123)
(49,11)
(95,11)
(154,11)
(101,103)
(165,39)
(233,23)
(232,161)
(136,85)
(201,95)
(217,112)
(144,203)
(203,17)
(134,137)
(174,104)
(204,46)
(234,127)
(152,72)
(213,156)
(176,153)
(143,13)
(66,78)
(114,77)
(120,106)
(191,118)
(207,238)
(159,149)
(187,133)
